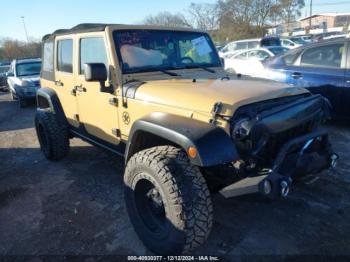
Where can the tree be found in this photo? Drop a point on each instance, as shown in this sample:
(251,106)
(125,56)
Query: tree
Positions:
(290,9)
(167,19)
(14,49)
(203,16)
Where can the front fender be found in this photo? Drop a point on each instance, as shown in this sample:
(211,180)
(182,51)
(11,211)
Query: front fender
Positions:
(213,144)
(48,100)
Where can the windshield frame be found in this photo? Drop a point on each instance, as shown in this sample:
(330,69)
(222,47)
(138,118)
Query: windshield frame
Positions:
(30,63)
(159,68)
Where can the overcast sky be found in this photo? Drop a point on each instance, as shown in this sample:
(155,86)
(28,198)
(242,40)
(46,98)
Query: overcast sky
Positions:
(43,16)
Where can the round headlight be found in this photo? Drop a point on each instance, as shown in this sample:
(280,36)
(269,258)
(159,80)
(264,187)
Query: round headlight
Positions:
(25,83)
(241,129)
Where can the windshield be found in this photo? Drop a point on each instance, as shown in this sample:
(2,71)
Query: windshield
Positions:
(153,50)
(298,41)
(27,69)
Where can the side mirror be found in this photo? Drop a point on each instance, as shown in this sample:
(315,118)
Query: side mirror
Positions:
(9,74)
(97,72)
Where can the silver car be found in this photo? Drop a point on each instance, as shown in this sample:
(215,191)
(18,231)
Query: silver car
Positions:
(23,79)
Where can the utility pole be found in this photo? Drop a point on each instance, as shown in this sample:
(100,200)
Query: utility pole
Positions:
(310,14)
(25,29)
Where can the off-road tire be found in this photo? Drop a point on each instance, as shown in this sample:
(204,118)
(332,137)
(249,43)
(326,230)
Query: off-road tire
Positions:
(52,136)
(185,195)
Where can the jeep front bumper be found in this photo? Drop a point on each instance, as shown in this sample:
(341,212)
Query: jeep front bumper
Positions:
(307,154)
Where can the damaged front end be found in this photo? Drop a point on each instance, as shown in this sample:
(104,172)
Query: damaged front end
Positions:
(278,141)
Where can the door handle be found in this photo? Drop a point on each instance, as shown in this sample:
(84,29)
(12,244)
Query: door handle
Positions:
(80,88)
(296,75)
(58,83)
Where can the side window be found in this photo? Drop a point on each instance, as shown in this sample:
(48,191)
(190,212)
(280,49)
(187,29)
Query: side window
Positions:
(242,56)
(92,50)
(323,56)
(290,58)
(253,44)
(241,45)
(65,55)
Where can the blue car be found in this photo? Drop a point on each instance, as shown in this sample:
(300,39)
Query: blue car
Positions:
(323,68)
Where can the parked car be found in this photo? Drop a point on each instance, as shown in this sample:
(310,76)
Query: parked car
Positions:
(161,99)
(235,46)
(3,76)
(5,63)
(289,43)
(323,68)
(251,62)
(23,79)
(302,40)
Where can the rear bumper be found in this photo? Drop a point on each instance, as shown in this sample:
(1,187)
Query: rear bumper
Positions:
(308,154)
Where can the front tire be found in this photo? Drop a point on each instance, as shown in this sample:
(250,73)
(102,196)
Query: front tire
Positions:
(168,201)
(52,136)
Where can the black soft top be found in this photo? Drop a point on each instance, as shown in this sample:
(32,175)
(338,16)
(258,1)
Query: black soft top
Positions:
(81,28)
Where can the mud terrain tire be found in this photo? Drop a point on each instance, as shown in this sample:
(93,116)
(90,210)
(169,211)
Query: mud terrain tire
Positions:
(53,137)
(184,216)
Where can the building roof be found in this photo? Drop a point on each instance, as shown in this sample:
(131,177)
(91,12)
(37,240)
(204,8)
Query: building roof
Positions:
(325,14)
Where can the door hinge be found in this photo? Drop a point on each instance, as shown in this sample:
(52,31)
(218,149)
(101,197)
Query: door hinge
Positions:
(116,132)
(113,101)
(76,117)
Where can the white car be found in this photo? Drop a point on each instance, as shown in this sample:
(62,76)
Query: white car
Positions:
(23,79)
(288,43)
(233,47)
(250,62)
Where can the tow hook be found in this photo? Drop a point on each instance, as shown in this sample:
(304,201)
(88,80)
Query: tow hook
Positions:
(284,188)
(275,186)
(334,160)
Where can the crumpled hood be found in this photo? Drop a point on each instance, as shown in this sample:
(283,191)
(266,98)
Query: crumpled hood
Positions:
(32,80)
(200,96)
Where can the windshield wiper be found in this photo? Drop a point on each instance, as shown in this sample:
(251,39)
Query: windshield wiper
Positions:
(168,73)
(201,67)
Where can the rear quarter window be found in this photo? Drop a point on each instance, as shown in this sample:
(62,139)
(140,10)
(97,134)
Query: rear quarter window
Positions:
(47,70)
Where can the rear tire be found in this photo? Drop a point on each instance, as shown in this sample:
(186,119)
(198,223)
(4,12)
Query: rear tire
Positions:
(52,136)
(168,201)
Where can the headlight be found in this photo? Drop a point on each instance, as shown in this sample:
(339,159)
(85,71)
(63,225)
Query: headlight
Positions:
(25,83)
(241,129)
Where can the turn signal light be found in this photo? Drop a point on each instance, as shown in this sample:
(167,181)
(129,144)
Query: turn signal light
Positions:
(192,152)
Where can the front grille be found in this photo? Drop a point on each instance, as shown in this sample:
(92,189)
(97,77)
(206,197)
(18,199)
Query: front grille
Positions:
(276,141)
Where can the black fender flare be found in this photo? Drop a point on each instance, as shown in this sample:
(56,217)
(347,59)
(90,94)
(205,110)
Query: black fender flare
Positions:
(213,144)
(48,100)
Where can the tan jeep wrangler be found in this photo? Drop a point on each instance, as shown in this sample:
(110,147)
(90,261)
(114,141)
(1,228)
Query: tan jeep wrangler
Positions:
(159,97)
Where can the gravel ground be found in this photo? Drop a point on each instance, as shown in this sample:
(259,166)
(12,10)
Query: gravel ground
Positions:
(75,206)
